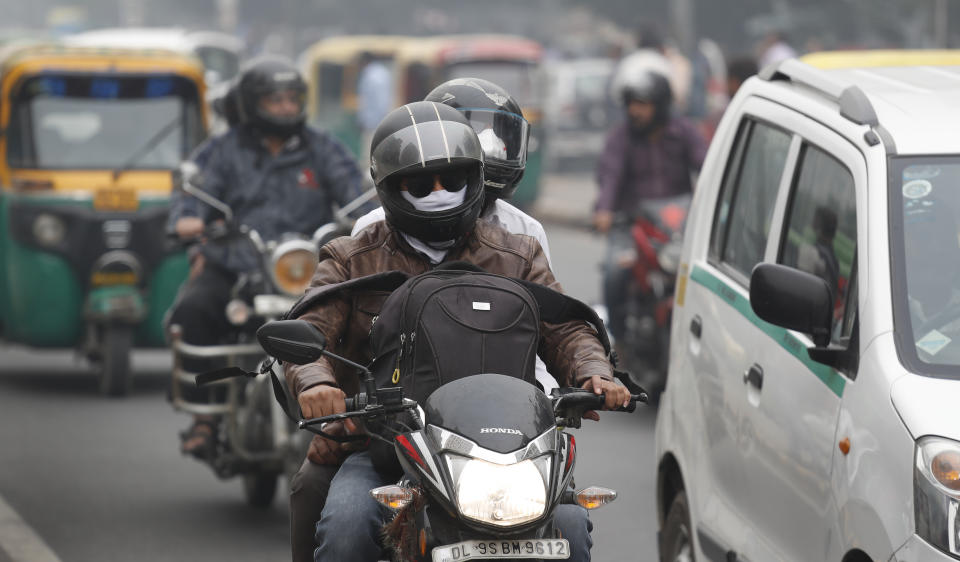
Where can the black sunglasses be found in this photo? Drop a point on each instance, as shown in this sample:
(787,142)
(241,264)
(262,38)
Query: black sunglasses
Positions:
(421,185)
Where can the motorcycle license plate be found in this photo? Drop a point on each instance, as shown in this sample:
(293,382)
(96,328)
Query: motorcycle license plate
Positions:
(544,549)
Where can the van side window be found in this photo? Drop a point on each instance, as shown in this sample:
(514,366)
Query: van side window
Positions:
(748,194)
(821,225)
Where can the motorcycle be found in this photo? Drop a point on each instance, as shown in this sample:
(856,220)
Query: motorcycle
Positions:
(657,235)
(255,439)
(481,476)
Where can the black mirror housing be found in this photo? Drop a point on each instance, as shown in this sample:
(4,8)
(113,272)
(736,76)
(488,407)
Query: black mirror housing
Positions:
(292,341)
(792,299)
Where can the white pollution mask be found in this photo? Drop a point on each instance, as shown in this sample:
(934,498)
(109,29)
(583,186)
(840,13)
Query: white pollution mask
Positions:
(441,200)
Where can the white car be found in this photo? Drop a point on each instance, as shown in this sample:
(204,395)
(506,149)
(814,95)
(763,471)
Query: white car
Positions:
(812,408)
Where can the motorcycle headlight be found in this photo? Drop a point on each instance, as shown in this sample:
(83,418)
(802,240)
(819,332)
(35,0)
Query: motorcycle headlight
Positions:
(49,230)
(293,265)
(501,495)
(936,491)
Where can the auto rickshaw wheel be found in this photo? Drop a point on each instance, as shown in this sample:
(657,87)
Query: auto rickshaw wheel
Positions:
(115,345)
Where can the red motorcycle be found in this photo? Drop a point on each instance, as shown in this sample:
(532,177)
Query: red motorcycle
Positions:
(658,239)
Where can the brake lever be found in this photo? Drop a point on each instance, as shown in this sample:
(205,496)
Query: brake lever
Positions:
(370,412)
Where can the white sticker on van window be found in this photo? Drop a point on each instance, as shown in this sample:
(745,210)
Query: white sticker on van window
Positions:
(917,188)
(933,342)
(481,305)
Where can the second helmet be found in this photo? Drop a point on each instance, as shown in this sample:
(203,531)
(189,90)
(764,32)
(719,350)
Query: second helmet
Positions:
(499,123)
(426,138)
(264,76)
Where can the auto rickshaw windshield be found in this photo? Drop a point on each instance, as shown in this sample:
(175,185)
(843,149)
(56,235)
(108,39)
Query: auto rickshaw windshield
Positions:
(103,122)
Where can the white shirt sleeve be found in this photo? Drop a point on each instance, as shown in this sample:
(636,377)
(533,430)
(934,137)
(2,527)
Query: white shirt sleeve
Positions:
(516,221)
(366,220)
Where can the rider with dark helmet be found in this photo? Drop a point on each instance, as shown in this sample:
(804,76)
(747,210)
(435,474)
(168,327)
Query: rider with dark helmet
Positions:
(498,120)
(504,133)
(272,77)
(427,163)
(278,176)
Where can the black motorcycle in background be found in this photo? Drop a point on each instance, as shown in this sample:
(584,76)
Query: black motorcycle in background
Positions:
(255,439)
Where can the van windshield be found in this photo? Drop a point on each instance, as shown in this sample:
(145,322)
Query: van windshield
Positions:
(103,122)
(925,240)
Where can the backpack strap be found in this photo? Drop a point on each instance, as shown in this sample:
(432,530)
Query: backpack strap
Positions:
(557,307)
(385,281)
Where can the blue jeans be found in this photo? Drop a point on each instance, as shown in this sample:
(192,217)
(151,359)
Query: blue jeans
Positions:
(350,525)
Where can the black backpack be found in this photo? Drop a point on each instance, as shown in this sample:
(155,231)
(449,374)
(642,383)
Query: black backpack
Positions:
(444,325)
(455,321)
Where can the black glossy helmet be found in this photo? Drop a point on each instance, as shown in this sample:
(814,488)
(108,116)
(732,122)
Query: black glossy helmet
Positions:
(265,76)
(427,138)
(499,123)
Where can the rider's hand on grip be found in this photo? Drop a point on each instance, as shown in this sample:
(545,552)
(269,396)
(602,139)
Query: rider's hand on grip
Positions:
(615,395)
(324,400)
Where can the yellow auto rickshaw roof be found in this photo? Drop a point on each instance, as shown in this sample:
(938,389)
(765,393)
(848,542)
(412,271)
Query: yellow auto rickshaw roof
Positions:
(35,58)
(882,58)
(343,48)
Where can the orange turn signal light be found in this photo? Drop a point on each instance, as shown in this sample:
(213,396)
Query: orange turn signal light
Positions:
(946,469)
(393,496)
(595,496)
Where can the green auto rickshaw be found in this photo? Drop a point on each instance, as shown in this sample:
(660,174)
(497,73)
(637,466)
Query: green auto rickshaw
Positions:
(88,141)
(332,68)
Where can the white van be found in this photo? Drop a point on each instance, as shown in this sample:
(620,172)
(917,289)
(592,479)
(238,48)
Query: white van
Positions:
(812,408)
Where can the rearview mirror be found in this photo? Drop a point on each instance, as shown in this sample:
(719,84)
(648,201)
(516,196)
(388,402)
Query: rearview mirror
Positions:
(292,341)
(792,299)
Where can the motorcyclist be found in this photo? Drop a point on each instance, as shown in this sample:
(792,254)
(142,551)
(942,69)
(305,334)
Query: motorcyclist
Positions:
(427,164)
(278,176)
(498,120)
(650,155)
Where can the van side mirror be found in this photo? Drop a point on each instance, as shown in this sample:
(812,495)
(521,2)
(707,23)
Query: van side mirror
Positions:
(792,299)
(292,341)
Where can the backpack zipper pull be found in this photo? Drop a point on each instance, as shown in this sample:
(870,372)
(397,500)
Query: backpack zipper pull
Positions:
(396,369)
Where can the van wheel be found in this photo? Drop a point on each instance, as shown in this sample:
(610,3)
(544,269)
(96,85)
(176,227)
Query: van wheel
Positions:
(115,377)
(676,542)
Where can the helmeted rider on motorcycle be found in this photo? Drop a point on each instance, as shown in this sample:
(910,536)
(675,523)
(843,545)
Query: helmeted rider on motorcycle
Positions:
(503,132)
(427,164)
(278,176)
(498,120)
(650,155)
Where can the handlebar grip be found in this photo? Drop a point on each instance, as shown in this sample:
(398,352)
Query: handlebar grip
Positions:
(357,402)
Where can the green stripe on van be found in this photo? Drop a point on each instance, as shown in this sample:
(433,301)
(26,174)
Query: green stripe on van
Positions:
(834,380)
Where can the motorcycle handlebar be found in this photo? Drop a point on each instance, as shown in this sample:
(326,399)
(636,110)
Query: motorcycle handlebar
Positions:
(589,401)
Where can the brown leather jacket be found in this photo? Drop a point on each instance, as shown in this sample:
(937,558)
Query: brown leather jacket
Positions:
(571,350)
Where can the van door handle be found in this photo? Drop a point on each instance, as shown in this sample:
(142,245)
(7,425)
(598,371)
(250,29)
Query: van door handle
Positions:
(754,376)
(696,326)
